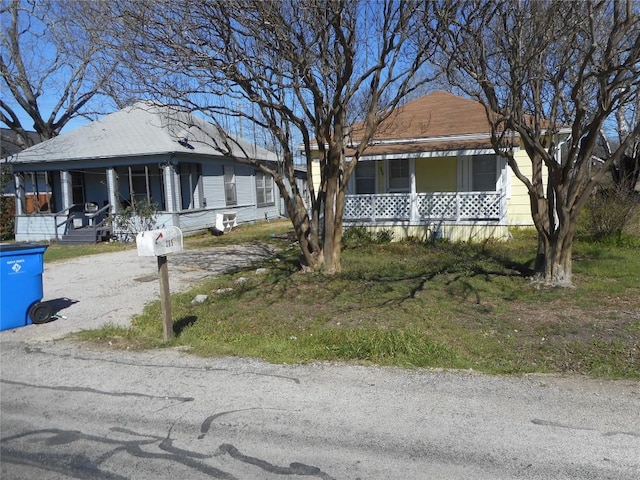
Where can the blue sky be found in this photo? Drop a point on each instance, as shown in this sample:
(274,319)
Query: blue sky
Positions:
(37,55)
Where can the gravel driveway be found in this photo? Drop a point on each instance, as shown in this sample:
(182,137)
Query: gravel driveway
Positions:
(94,290)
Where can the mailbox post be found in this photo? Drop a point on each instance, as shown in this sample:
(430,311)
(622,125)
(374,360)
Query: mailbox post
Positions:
(159,243)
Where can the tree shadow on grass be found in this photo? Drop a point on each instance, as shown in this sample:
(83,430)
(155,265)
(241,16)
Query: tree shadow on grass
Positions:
(183,323)
(453,266)
(466,263)
(464,272)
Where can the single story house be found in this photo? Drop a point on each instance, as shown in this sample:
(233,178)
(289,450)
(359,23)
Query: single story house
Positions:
(144,155)
(431,172)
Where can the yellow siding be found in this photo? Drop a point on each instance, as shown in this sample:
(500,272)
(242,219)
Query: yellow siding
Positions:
(380,176)
(518,205)
(315,173)
(436,175)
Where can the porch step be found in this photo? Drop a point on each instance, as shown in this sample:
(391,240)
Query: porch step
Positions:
(83,236)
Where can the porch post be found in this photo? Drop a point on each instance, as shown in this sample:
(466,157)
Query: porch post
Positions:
(66,189)
(177,188)
(503,207)
(112,190)
(18,182)
(171,188)
(413,198)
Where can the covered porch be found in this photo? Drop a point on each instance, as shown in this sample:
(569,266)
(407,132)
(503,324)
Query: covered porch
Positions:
(82,203)
(454,195)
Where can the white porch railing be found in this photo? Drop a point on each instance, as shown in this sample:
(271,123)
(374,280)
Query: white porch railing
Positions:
(420,207)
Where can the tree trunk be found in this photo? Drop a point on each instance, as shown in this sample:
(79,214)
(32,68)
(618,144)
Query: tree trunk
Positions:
(311,254)
(331,243)
(556,229)
(336,252)
(540,255)
(556,265)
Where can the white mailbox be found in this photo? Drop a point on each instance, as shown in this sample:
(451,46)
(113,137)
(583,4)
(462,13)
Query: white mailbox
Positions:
(156,243)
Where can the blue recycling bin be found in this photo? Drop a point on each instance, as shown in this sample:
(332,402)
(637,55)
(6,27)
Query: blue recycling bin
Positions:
(21,267)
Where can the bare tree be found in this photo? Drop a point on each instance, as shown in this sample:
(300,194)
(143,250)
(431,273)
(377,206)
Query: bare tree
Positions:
(301,70)
(551,72)
(52,65)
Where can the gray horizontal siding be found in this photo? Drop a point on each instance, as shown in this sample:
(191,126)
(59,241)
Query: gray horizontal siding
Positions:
(34,228)
(245,185)
(213,185)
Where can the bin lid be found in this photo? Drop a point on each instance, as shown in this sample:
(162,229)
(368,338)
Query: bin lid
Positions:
(16,247)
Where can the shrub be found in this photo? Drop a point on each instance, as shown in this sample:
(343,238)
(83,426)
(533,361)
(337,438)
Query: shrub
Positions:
(609,212)
(7,219)
(384,236)
(358,236)
(7,205)
(127,223)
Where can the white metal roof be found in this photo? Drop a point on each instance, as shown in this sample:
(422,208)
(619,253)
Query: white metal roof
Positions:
(143,129)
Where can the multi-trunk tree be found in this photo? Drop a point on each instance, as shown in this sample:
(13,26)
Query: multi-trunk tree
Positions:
(553,73)
(299,71)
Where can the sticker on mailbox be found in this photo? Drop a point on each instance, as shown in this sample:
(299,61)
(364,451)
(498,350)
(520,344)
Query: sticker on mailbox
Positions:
(155,243)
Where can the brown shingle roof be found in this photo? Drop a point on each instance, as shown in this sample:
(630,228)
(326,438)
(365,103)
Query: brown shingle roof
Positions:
(438,121)
(434,115)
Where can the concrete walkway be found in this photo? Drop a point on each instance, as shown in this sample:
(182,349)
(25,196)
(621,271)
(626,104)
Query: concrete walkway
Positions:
(95,290)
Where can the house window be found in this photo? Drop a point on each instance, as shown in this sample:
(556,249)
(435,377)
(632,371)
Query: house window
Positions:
(38,193)
(264,189)
(142,185)
(399,180)
(139,185)
(366,177)
(77,187)
(191,185)
(230,185)
(484,173)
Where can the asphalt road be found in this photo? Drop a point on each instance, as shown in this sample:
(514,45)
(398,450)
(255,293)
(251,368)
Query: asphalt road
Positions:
(69,411)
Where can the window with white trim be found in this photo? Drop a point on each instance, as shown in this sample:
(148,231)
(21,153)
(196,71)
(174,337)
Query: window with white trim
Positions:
(191,185)
(139,185)
(264,189)
(230,185)
(77,187)
(399,180)
(484,173)
(365,177)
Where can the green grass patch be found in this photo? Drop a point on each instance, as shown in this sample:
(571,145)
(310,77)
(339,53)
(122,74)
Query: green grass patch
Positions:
(265,232)
(411,304)
(57,252)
